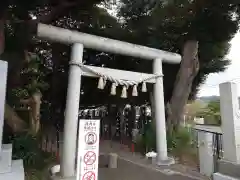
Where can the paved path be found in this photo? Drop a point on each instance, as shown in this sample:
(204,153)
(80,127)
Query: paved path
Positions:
(129,171)
(136,167)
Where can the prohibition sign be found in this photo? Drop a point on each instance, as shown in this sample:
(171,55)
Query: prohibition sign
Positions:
(89,158)
(91,138)
(89,176)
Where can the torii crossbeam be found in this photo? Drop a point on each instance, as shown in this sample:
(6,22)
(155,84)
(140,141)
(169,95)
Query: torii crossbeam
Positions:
(83,40)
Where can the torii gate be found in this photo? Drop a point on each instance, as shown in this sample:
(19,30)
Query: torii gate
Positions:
(81,41)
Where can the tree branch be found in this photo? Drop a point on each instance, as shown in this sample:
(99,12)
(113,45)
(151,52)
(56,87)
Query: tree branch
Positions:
(56,12)
(26,101)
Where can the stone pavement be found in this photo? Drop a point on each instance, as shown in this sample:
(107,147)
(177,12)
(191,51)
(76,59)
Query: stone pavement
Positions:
(136,167)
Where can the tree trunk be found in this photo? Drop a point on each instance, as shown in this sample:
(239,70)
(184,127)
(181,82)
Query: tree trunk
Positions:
(35,105)
(13,120)
(2,38)
(55,108)
(11,117)
(188,70)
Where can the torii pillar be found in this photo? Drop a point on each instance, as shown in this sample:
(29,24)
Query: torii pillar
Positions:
(161,137)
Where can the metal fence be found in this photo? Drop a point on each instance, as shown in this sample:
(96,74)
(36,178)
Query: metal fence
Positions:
(217,145)
(217,149)
(217,141)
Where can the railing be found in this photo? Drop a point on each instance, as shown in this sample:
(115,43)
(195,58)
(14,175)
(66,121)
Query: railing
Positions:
(217,147)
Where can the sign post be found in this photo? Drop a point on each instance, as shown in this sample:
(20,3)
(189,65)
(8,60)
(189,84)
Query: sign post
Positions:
(88,149)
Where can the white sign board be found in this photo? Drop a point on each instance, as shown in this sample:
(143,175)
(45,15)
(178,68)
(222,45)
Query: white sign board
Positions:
(88,149)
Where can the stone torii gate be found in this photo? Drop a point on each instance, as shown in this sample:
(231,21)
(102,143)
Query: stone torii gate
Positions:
(81,41)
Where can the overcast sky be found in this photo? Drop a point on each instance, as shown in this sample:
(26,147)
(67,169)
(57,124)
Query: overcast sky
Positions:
(231,74)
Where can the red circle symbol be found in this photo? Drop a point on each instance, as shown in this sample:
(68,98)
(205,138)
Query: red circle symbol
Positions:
(89,158)
(90,138)
(89,176)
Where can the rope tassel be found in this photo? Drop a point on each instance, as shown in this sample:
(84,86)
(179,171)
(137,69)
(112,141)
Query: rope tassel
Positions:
(104,82)
(104,77)
(124,92)
(144,87)
(101,83)
(113,89)
(135,91)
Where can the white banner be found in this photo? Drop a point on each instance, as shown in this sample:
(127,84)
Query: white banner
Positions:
(88,149)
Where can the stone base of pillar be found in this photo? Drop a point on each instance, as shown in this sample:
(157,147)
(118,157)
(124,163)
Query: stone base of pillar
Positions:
(54,174)
(168,162)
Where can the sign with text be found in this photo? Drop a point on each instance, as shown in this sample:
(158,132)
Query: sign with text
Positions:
(88,149)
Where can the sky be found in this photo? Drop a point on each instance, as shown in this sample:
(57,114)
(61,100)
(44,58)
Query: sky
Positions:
(232,73)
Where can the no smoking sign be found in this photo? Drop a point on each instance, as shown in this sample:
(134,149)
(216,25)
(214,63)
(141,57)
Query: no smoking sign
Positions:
(89,158)
(89,176)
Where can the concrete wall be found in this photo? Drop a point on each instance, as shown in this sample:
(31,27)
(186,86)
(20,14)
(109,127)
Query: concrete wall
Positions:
(9,170)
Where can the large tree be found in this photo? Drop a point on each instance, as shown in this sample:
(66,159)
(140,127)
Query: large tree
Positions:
(18,24)
(199,30)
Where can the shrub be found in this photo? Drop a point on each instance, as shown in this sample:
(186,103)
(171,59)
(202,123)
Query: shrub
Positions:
(26,147)
(147,141)
(150,138)
(179,141)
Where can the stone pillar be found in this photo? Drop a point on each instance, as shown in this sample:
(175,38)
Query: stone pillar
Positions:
(230,117)
(159,114)
(113,160)
(205,151)
(3,84)
(71,114)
